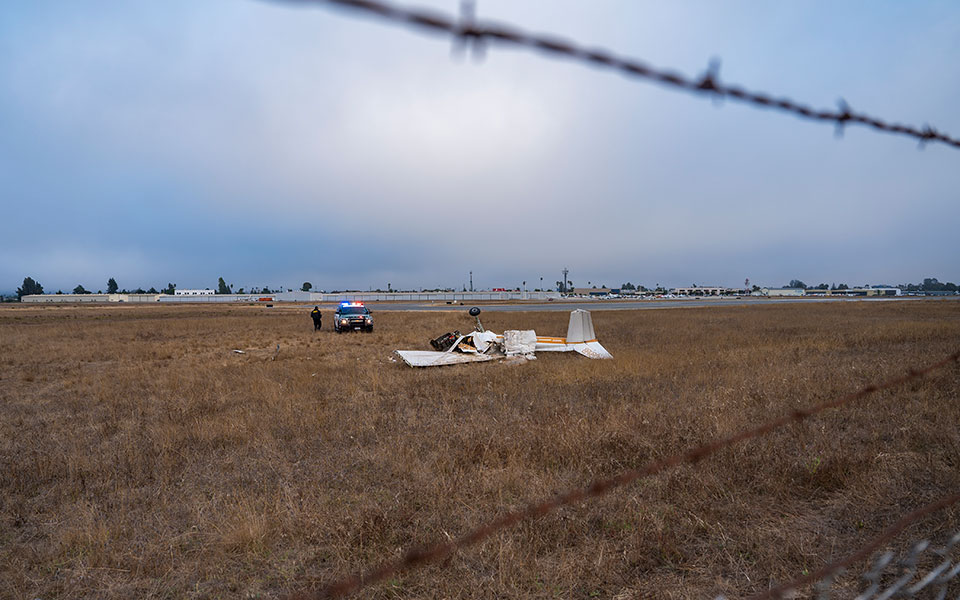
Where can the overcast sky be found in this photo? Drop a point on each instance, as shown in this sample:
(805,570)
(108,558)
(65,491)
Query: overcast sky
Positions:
(276,143)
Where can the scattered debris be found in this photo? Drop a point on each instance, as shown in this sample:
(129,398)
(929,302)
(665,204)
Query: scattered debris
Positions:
(446,340)
(260,353)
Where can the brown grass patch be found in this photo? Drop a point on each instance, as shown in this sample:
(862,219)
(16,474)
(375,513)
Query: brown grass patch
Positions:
(140,456)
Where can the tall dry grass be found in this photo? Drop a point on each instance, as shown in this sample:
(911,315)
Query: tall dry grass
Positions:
(140,456)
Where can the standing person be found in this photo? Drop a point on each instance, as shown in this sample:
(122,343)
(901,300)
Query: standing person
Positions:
(316,316)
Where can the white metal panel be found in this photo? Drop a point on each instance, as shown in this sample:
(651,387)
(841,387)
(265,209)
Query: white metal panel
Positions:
(592,350)
(519,342)
(482,340)
(581,327)
(426,358)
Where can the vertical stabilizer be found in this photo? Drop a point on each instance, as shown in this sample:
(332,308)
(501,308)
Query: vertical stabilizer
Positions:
(581,327)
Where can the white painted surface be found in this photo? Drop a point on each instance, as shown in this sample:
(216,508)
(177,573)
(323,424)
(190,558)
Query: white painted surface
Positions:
(426,358)
(580,328)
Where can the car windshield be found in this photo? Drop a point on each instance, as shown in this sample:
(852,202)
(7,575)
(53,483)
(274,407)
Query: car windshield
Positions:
(353,310)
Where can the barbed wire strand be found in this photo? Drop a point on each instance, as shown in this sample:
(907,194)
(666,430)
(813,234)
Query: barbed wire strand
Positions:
(467,28)
(782,591)
(418,557)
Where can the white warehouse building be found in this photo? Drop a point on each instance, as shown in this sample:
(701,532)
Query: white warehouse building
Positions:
(193,292)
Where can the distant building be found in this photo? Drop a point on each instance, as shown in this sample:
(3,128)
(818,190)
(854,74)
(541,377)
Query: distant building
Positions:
(882,291)
(592,291)
(193,292)
(65,298)
(83,298)
(859,291)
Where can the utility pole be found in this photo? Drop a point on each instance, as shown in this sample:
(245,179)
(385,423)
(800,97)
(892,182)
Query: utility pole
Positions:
(565,271)
(471,281)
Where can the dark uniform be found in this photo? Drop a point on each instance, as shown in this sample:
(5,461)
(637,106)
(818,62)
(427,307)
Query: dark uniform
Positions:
(315,315)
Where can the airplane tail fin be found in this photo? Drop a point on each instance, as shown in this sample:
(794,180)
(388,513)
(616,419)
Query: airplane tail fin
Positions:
(581,327)
(581,336)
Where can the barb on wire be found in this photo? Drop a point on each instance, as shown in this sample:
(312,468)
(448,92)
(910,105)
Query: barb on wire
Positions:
(419,556)
(940,575)
(468,28)
(465,38)
(843,118)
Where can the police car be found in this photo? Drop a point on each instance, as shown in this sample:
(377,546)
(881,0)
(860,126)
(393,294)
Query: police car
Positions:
(352,316)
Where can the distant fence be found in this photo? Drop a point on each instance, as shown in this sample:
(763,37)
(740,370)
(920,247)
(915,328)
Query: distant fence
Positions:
(435,296)
(296,296)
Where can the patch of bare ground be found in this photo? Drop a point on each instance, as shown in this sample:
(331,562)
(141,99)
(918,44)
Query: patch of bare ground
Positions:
(140,456)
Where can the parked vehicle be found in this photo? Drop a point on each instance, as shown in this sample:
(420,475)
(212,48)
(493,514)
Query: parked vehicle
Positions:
(352,316)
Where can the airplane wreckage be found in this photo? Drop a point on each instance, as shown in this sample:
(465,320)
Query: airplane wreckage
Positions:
(482,345)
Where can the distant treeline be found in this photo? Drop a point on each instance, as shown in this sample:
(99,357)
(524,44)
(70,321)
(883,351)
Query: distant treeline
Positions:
(31,286)
(930,284)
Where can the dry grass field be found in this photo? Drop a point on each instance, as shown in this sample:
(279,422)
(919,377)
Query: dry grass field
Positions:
(141,457)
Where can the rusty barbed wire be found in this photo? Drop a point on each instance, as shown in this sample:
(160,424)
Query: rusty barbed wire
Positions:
(417,557)
(940,575)
(466,30)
